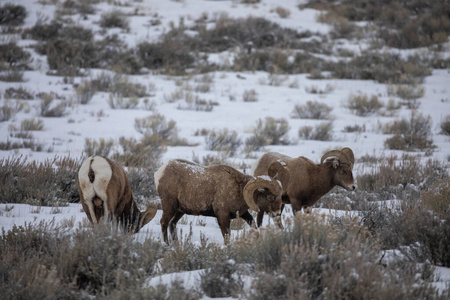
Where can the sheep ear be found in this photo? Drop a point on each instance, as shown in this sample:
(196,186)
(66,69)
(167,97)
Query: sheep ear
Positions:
(336,163)
(147,216)
(278,170)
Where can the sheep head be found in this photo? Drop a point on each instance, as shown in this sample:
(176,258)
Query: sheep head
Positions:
(142,219)
(342,161)
(265,186)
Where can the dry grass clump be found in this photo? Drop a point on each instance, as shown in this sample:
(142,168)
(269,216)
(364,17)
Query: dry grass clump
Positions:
(321,259)
(430,23)
(321,132)
(445,125)
(269,131)
(383,67)
(113,19)
(250,96)
(363,106)
(48,183)
(32,125)
(13,61)
(282,12)
(89,263)
(410,135)
(224,140)
(312,110)
(101,147)
(12,15)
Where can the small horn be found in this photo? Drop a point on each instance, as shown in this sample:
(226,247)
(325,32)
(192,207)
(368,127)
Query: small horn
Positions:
(279,170)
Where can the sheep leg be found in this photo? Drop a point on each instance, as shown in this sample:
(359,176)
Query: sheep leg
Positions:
(165,221)
(224,224)
(247,217)
(296,205)
(173,224)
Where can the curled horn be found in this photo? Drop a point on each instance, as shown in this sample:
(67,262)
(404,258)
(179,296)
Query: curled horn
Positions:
(278,170)
(337,153)
(349,154)
(345,156)
(258,183)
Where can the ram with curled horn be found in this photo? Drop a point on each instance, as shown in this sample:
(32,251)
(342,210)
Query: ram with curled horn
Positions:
(217,191)
(309,181)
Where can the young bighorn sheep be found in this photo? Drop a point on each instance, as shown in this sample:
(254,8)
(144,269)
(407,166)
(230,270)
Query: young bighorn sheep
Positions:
(217,191)
(308,181)
(105,194)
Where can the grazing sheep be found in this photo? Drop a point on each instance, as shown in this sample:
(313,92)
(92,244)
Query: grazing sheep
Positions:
(105,194)
(218,191)
(308,181)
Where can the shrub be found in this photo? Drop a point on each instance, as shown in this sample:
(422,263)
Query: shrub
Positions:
(144,153)
(48,183)
(269,131)
(282,12)
(11,14)
(314,89)
(363,106)
(410,134)
(324,259)
(250,96)
(192,101)
(408,171)
(142,182)
(114,18)
(18,93)
(406,92)
(11,54)
(119,102)
(101,147)
(32,125)
(170,55)
(383,67)
(312,110)
(222,279)
(12,76)
(223,140)
(84,92)
(445,125)
(13,60)
(6,113)
(49,110)
(158,129)
(355,128)
(322,132)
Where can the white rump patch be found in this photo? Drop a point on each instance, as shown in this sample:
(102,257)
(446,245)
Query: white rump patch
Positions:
(103,174)
(159,174)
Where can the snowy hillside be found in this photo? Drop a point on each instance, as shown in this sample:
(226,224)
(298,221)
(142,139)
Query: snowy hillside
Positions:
(99,87)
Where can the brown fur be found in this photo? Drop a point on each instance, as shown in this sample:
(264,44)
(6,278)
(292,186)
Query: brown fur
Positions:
(218,191)
(119,198)
(308,181)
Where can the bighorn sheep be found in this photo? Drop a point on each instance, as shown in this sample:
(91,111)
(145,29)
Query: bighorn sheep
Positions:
(105,194)
(307,181)
(217,191)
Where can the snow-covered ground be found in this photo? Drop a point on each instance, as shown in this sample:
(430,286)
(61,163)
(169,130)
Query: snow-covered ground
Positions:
(66,135)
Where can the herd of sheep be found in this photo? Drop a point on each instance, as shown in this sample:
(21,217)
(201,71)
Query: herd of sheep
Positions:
(218,191)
